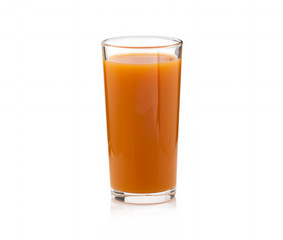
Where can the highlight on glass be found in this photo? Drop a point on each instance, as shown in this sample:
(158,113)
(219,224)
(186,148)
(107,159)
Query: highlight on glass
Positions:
(142,93)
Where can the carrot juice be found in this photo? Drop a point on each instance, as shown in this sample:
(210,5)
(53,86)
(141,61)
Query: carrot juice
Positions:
(142,106)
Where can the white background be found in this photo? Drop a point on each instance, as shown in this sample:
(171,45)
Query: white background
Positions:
(54,180)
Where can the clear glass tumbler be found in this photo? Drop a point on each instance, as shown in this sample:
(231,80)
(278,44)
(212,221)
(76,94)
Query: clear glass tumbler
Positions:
(142,91)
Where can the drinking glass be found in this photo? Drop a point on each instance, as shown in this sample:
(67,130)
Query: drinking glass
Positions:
(142,94)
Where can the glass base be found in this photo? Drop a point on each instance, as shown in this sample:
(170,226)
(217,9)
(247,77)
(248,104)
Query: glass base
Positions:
(143,198)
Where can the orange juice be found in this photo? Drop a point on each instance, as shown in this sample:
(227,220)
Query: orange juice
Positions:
(142,107)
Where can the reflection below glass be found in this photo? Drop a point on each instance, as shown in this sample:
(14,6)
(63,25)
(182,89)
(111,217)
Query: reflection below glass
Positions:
(118,208)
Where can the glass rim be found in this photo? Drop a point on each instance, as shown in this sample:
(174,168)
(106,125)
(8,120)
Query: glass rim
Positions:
(175,42)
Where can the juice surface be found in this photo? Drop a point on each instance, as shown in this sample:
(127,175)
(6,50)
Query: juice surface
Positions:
(142,107)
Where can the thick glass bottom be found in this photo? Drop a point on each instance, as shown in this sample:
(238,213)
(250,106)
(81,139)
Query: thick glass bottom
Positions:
(143,198)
